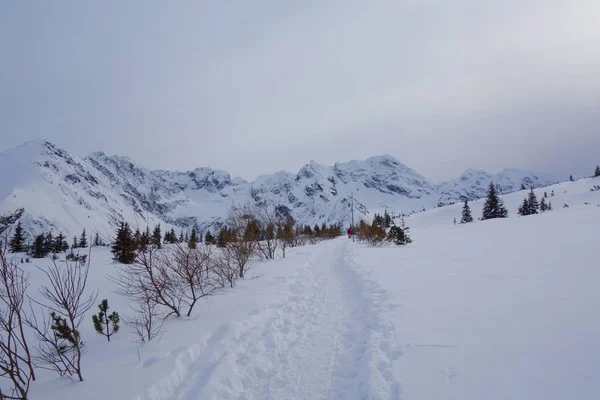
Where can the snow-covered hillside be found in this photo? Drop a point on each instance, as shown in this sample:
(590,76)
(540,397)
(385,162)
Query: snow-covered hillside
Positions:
(66,193)
(496,309)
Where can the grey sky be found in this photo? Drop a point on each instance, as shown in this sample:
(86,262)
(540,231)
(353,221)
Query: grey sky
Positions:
(257,86)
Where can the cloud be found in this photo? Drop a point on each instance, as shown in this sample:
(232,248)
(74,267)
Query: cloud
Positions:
(253,88)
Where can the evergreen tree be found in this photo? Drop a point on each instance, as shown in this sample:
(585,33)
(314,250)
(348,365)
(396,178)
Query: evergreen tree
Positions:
(387,219)
(38,248)
(466,213)
(571,178)
(597,171)
(68,337)
(75,243)
(550,206)
(144,240)
(193,239)
(317,230)
(123,248)
(17,242)
(523,186)
(48,243)
(493,207)
(524,208)
(532,203)
(209,238)
(60,244)
(97,241)
(105,324)
(399,235)
(83,242)
(222,237)
(156,237)
(181,238)
(137,237)
(546,195)
(543,205)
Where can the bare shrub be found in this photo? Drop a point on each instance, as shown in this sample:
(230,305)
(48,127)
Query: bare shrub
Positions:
(192,272)
(149,277)
(147,320)
(15,357)
(60,344)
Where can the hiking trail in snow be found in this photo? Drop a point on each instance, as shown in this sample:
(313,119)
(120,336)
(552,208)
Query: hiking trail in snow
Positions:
(327,340)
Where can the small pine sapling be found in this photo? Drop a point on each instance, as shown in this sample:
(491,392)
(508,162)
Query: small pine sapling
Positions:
(104,323)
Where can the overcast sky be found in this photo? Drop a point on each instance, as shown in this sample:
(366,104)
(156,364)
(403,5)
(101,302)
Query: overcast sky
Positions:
(252,87)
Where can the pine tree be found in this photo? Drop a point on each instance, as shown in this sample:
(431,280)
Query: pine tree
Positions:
(123,248)
(493,207)
(222,238)
(144,240)
(137,237)
(193,239)
(597,171)
(38,248)
(387,219)
(543,205)
(83,242)
(60,244)
(532,203)
(97,241)
(466,213)
(156,237)
(105,324)
(523,186)
(17,243)
(181,238)
(571,178)
(75,243)
(48,243)
(209,238)
(524,208)
(550,206)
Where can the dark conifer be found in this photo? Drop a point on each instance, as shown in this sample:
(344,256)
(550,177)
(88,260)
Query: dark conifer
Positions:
(532,203)
(193,239)
(543,205)
(597,171)
(156,237)
(493,207)
(38,248)
(209,238)
(466,213)
(83,242)
(104,323)
(17,242)
(124,247)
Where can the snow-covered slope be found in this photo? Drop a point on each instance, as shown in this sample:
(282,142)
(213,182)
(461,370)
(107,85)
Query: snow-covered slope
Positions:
(66,193)
(499,309)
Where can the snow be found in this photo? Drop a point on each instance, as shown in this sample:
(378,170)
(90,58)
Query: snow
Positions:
(494,309)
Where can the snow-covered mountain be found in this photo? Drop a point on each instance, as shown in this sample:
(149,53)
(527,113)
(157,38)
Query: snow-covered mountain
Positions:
(66,193)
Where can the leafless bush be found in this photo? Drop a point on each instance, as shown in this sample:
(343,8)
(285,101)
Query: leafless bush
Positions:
(226,268)
(286,234)
(267,218)
(60,344)
(244,241)
(192,272)
(173,278)
(147,319)
(149,277)
(15,357)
